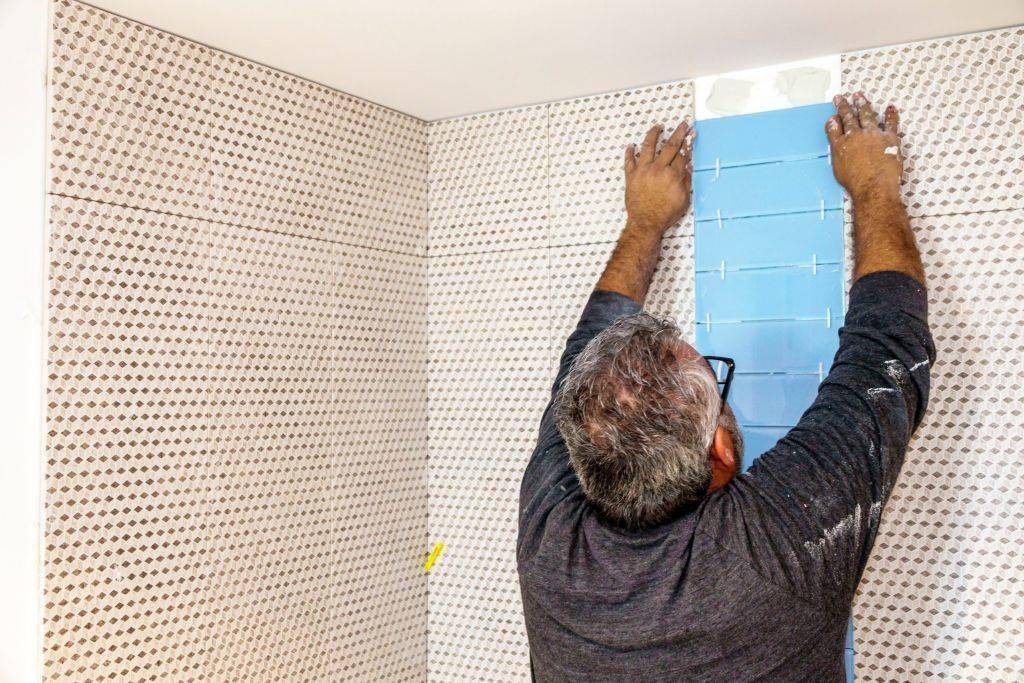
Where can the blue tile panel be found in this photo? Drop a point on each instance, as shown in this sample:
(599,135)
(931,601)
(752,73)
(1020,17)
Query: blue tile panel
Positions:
(760,439)
(766,189)
(769,265)
(772,400)
(773,345)
(787,292)
(765,241)
(757,138)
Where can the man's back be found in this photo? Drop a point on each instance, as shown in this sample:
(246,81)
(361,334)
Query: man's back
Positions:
(673,603)
(756,581)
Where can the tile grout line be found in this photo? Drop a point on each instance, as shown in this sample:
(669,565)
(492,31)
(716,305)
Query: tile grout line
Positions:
(426,398)
(568,245)
(692,234)
(549,280)
(236,225)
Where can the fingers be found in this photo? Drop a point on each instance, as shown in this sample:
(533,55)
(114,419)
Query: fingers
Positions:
(650,144)
(681,165)
(675,142)
(630,158)
(846,114)
(860,116)
(892,120)
(865,114)
(833,129)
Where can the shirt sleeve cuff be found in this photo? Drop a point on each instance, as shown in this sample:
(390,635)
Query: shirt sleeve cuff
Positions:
(892,288)
(606,307)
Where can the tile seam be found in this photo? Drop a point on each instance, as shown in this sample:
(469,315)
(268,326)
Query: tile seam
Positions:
(283,233)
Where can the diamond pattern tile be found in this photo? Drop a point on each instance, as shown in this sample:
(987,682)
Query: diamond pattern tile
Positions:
(488,383)
(585,148)
(960,107)
(941,596)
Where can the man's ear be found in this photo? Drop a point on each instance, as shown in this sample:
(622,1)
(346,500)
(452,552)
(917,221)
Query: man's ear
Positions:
(723,459)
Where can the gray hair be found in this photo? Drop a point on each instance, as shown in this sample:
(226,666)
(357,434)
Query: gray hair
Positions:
(638,421)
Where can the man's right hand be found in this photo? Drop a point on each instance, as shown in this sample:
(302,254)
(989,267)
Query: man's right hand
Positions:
(657,195)
(866,157)
(658,183)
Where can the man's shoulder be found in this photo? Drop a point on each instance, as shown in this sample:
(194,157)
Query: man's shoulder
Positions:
(547,483)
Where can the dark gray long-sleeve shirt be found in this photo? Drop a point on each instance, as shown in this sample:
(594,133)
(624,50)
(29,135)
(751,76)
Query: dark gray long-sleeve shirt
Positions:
(756,582)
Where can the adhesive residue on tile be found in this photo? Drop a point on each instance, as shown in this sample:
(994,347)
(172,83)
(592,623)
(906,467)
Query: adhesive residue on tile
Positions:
(729,96)
(804,84)
(767,88)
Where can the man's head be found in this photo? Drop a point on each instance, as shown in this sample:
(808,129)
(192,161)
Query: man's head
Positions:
(643,422)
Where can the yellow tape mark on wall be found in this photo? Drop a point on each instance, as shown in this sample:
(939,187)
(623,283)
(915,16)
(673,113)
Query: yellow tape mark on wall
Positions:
(434,554)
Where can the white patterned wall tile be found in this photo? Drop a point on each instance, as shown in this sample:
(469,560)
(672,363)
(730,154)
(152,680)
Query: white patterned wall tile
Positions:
(204,520)
(941,597)
(275,157)
(129,113)
(585,149)
(961,115)
(269,526)
(383,180)
(146,119)
(299,158)
(488,181)
(575,270)
(379,608)
(127,444)
(488,384)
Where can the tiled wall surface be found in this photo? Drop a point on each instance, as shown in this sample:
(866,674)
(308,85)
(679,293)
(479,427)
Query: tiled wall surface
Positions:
(236,470)
(525,206)
(248,315)
(941,597)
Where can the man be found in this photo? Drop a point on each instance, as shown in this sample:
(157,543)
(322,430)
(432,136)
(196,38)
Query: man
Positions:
(642,555)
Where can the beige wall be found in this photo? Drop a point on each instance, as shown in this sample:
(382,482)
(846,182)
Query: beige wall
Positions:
(23,49)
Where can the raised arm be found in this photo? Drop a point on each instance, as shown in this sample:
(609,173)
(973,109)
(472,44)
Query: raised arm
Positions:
(867,161)
(657,195)
(816,498)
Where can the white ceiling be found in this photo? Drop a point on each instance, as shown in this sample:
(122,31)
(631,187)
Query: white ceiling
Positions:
(440,58)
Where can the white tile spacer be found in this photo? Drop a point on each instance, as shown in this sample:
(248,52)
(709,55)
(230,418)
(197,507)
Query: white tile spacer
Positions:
(718,168)
(821,372)
(718,212)
(822,209)
(814,264)
(828,317)
(707,320)
(721,269)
